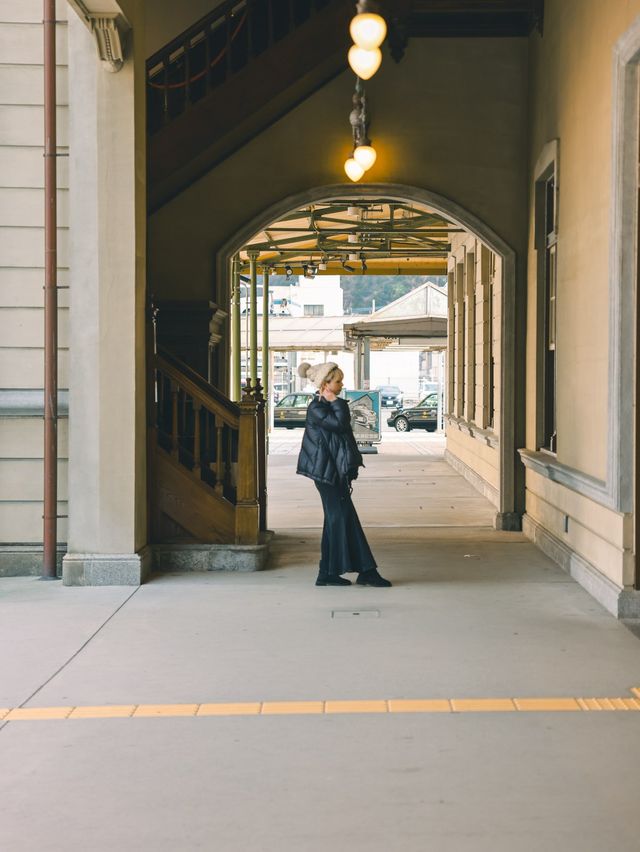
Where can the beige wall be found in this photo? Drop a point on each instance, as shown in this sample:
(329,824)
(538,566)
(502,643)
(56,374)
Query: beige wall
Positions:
(472,440)
(571,101)
(165,19)
(571,89)
(22,262)
(451,117)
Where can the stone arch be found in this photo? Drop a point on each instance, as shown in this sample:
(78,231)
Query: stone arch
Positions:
(510,497)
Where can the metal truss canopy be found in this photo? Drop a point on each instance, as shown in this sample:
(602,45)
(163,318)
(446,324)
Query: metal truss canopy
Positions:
(355,236)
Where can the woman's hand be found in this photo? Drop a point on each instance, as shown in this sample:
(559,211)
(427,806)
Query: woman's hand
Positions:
(327,394)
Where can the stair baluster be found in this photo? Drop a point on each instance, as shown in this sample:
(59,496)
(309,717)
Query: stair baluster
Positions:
(195,438)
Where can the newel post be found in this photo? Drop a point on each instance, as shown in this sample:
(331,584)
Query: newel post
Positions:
(247,502)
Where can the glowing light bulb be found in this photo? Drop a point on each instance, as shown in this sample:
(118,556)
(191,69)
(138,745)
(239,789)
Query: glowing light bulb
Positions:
(368,30)
(364,63)
(365,155)
(353,169)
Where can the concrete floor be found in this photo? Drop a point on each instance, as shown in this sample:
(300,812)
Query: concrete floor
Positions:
(473,614)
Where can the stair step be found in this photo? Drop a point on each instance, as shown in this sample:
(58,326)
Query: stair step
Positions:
(212,557)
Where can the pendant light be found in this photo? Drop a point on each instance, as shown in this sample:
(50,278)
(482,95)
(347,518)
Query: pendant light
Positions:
(353,169)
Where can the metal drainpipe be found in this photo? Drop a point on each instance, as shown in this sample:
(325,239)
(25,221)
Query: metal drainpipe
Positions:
(50,299)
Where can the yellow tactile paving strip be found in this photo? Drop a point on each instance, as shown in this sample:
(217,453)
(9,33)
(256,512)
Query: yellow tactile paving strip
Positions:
(299,708)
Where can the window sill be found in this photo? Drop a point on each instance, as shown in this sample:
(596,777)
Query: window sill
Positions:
(485,436)
(546,464)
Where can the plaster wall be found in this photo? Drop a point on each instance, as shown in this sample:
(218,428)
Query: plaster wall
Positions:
(22,269)
(165,19)
(571,100)
(601,537)
(472,439)
(480,459)
(450,118)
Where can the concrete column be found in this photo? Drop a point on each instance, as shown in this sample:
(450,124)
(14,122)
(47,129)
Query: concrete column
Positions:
(107,425)
(366,363)
(358,363)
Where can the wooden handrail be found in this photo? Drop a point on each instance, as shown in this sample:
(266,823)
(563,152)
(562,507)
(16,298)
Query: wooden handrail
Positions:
(201,27)
(216,48)
(198,387)
(210,441)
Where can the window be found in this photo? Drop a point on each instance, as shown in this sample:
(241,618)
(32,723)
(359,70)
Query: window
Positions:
(546,245)
(460,339)
(470,334)
(314,310)
(492,352)
(451,348)
(303,400)
(430,401)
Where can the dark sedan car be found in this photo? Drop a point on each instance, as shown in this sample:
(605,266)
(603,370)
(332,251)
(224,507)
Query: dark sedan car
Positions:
(292,410)
(423,416)
(390,396)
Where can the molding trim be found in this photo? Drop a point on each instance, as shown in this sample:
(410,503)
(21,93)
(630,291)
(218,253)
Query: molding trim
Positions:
(485,436)
(109,35)
(30,403)
(620,602)
(25,560)
(549,156)
(545,464)
(458,215)
(109,30)
(623,269)
(474,478)
(106,569)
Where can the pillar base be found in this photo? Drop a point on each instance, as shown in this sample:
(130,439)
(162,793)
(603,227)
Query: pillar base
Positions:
(106,569)
(508,521)
(213,557)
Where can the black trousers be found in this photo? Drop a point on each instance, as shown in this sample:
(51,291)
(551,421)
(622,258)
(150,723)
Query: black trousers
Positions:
(344,545)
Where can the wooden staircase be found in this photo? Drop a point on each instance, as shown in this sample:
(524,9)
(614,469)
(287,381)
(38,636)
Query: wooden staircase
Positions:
(198,492)
(230,75)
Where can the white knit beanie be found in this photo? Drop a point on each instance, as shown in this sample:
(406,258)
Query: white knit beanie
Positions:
(316,373)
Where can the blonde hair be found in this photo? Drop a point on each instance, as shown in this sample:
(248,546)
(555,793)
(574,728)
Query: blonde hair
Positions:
(332,374)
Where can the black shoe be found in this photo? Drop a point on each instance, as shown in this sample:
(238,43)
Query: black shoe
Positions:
(332,580)
(372,578)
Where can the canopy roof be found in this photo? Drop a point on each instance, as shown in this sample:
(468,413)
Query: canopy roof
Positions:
(356,236)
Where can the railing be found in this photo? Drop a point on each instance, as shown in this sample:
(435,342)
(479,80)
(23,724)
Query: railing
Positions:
(218,46)
(207,434)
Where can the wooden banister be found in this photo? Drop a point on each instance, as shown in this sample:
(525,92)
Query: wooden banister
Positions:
(199,440)
(216,48)
(198,387)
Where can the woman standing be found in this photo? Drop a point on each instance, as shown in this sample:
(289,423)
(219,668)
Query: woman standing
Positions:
(329,455)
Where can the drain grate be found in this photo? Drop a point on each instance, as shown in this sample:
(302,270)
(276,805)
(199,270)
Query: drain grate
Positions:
(355,613)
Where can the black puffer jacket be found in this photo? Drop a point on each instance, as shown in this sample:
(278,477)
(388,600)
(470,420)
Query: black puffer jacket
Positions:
(329,452)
